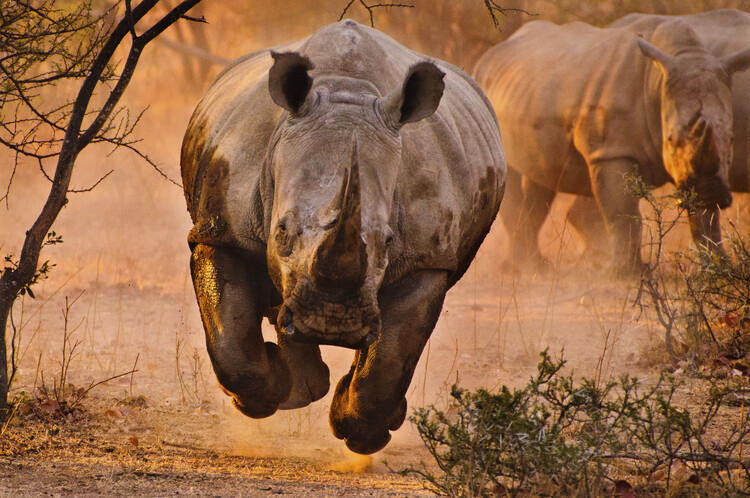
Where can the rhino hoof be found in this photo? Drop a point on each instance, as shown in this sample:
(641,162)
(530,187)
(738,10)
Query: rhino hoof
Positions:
(254,411)
(311,390)
(368,446)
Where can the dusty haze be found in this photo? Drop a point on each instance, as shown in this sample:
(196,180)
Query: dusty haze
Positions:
(125,254)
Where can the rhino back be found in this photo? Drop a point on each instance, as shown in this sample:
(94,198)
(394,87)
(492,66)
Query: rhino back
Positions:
(452,172)
(567,92)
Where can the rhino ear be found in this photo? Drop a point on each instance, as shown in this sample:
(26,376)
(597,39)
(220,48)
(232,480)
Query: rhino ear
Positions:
(418,97)
(738,62)
(656,54)
(288,81)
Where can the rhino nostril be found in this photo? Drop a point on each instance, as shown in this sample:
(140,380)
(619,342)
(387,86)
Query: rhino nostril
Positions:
(370,339)
(286,321)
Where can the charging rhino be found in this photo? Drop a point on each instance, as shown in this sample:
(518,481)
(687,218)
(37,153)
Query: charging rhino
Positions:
(723,32)
(581,106)
(338,186)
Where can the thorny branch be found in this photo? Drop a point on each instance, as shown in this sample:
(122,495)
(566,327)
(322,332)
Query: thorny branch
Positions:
(371,7)
(40,46)
(493,8)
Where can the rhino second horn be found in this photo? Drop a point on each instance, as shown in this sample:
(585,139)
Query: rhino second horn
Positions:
(340,263)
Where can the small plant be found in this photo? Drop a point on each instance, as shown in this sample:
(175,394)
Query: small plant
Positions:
(700,296)
(717,291)
(659,285)
(42,273)
(560,437)
(192,382)
(62,399)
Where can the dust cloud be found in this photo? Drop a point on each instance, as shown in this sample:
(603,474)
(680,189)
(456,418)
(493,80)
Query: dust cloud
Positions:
(125,258)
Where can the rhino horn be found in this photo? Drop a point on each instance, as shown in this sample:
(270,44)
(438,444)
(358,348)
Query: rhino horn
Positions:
(654,53)
(707,144)
(738,62)
(340,263)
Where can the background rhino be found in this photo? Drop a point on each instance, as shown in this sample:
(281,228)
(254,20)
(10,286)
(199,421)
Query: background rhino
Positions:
(331,194)
(582,105)
(724,32)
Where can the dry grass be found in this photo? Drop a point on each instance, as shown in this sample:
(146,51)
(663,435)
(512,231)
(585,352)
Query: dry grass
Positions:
(125,244)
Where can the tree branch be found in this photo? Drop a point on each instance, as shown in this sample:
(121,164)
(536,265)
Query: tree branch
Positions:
(371,7)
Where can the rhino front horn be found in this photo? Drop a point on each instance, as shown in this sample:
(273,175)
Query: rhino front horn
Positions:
(340,263)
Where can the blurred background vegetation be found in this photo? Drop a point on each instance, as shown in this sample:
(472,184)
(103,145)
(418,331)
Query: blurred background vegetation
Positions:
(458,31)
(131,229)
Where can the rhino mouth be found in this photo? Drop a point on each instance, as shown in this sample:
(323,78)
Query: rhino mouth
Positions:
(711,191)
(310,315)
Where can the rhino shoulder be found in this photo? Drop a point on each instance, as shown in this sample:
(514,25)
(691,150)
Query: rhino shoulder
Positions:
(223,151)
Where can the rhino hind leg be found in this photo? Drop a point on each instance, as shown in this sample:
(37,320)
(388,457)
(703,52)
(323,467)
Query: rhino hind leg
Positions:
(369,401)
(231,292)
(586,218)
(310,375)
(524,209)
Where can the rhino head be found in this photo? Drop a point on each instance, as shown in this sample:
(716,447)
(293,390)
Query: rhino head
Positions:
(333,166)
(696,115)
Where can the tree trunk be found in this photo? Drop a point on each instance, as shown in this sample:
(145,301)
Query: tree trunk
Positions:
(6,301)
(14,280)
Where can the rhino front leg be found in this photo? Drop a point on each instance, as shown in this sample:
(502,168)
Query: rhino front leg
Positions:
(231,294)
(369,401)
(586,218)
(706,229)
(621,213)
(524,210)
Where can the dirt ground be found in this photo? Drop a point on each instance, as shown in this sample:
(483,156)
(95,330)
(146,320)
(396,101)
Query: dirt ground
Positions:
(167,429)
(123,268)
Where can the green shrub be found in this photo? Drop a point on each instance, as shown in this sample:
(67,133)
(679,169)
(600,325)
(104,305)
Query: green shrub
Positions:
(558,437)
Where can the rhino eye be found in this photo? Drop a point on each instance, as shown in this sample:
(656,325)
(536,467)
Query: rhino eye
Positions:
(388,241)
(283,240)
(331,224)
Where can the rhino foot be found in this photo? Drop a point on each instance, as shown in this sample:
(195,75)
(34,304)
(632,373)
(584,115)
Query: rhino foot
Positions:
(308,386)
(629,271)
(367,446)
(260,396)
(364,431)
(310,375)
(534,263)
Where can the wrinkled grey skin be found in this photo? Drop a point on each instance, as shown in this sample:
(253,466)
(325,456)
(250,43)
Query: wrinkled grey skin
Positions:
(339,186)
(581,106)
(724,32)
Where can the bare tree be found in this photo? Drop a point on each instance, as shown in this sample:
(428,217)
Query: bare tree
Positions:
(42,45)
